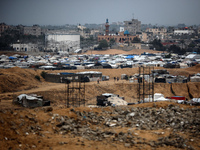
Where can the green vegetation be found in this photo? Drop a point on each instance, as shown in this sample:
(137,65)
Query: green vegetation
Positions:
(176,49)
(136,40)
(158,45)
(103,44)
(37,77)
(43,73)
(112,42)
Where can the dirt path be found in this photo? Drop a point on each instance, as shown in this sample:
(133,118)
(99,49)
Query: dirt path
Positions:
(43,87)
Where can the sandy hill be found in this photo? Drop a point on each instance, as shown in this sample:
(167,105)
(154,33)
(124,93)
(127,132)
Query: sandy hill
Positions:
(160,125)
(185,71)
(117,51)
(17,81)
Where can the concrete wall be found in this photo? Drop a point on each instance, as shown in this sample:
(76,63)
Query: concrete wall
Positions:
(25,47)
(62,42)
(55,78)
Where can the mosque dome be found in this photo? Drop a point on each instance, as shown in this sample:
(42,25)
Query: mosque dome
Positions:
(126,32)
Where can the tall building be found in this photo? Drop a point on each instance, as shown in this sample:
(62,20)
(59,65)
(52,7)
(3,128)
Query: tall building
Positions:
(107,27)
(62,42)
(132,26)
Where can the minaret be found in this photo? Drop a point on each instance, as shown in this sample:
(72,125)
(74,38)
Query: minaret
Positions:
(107,27)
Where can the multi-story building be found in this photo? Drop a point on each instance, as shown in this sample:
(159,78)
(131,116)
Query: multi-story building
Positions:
(132,26)
(159,33)
(181,32)
(143,37)
(34,30)
(62,42)
(156,31)
(199,30)
(25,47)
(3,27)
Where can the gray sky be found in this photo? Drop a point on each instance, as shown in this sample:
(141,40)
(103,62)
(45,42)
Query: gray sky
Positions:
(60,12)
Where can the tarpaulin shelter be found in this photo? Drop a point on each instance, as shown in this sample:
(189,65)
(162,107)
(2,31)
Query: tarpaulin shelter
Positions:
(130,57)
(11,57)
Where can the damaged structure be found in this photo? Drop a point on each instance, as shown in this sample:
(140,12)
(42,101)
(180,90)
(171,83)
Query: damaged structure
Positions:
(31,101)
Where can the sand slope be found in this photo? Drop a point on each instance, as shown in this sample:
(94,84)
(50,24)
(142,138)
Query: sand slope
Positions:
(117,51)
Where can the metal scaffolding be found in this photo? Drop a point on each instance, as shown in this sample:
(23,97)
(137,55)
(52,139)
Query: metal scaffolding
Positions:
(75,93)
(146,83)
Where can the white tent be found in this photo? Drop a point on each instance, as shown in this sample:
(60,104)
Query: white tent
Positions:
(157,97)
(116,101)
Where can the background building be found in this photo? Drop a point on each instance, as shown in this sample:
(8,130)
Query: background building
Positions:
(3,27)
(64,42)
(25,47)
(132,26)
(198,30)
(121,37)
(34,30)
(181,32)
(158,33)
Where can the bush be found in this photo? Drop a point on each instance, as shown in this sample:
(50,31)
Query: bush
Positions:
(37,77)
(103,44)
(43,73)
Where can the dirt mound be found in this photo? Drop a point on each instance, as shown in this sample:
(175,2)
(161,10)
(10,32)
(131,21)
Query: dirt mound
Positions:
(185,71)
(22,128)
(16,79)
(82,127)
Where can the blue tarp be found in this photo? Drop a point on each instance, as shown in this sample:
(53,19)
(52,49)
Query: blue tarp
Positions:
(65,73)
(11,57)
(103,61)
(129,57)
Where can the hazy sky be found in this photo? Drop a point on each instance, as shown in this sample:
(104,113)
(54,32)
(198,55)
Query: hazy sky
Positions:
(60,12)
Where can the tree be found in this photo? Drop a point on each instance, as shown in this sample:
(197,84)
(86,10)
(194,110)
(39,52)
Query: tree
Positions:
(112,41)
(176,49)
(182,43)
(168,55)
(192,45)
(136,40)
(158,45)
(103,44)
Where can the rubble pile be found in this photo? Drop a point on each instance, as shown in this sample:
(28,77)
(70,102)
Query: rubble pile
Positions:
(169,127)
(173,118)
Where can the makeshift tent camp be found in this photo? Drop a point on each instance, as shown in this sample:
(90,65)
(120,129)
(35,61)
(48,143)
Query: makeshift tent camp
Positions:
(195,79)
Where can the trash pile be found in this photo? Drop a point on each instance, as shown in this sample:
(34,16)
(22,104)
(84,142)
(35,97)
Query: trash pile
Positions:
(163,125)
(109,99)
(173,118)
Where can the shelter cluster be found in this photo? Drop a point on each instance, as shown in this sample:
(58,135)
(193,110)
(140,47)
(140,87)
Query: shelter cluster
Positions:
(93,61)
